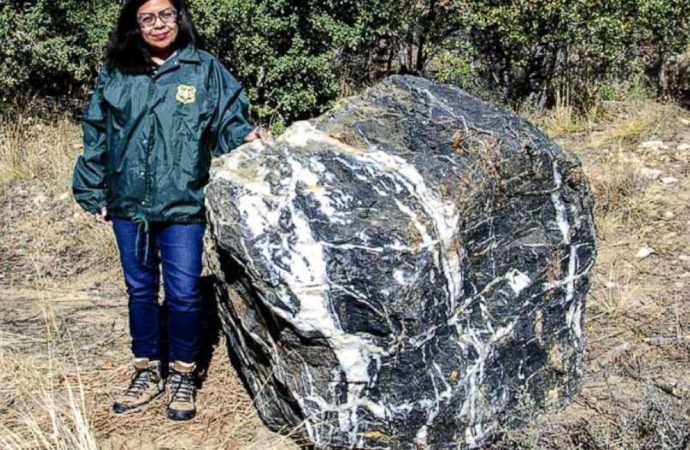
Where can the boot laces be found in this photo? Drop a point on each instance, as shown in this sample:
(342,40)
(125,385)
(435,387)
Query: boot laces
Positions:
(182,387)
(140,382)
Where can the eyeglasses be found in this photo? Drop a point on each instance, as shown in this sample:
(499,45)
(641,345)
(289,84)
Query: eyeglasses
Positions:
(147,20)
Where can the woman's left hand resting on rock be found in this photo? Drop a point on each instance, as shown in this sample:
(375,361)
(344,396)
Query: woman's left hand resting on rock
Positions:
(259,133)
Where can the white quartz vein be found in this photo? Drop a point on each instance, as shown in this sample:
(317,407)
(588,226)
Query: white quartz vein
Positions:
(302,267)
(574,313)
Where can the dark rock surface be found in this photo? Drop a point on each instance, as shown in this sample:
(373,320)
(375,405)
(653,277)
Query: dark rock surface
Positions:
(406,271)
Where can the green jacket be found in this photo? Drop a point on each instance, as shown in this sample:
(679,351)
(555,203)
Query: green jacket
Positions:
(148,140)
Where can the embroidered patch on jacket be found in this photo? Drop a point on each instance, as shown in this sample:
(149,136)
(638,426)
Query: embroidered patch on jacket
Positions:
(185,93)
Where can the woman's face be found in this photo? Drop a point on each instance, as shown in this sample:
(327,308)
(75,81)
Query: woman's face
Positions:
(158,24)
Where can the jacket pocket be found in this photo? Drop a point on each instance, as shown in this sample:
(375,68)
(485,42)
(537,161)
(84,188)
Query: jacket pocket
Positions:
(186,122)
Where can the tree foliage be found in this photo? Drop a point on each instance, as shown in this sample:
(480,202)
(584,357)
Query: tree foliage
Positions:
(52,46)
(296,56)
(536,48)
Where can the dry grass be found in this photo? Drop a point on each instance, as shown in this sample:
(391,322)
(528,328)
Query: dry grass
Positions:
(43,150)
(43,407)
(564,119)
(606,123)
(616,292)
(629,126)
(45,410)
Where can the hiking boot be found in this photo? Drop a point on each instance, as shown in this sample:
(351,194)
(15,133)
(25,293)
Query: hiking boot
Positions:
(146,385)
(181,391)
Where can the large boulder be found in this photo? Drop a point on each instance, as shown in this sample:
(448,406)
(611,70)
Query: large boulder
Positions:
(407,271)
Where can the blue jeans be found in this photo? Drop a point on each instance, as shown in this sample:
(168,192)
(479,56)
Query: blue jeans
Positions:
(180,247)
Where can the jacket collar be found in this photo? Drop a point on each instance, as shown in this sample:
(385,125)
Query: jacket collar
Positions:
(189,54)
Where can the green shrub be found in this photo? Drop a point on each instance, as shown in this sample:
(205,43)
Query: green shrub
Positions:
(265,44)
(536,50)
(52,46)
(296,57)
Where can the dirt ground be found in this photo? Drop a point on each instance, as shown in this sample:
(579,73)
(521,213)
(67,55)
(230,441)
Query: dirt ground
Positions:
(64,345)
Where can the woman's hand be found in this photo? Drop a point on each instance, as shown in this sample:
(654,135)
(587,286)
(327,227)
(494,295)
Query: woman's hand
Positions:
(259,133)
(102,216)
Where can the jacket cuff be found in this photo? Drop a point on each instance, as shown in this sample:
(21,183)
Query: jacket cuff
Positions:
(240,133)
(92,204)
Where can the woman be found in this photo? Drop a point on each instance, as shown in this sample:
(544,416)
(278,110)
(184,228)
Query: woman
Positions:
(160,108)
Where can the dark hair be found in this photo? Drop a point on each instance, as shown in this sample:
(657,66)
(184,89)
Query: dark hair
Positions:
(127,50)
